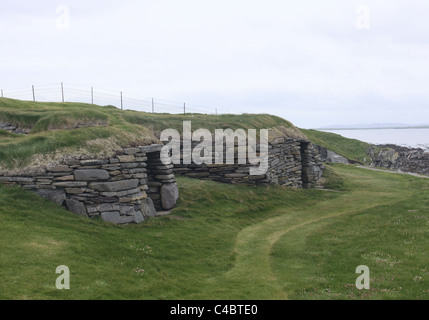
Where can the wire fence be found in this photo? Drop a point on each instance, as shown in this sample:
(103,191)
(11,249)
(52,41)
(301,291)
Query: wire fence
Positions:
(104,97)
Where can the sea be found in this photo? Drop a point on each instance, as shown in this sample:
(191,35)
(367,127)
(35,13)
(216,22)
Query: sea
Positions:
(412,138)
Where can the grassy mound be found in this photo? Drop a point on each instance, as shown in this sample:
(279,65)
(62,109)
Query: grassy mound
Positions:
(352,149)
(78,128)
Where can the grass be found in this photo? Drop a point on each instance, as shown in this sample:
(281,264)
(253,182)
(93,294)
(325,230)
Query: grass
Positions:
(45,116)
(222,241)
(68,128)
(352,149)
(185,248)
(387,231)
(228,242)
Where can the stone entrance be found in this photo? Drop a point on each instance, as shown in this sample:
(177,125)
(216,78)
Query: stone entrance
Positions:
(115,189)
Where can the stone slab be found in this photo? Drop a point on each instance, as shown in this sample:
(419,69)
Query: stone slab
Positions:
(91,175)
(76,207)
(169,195)
(152,148)
(114,186)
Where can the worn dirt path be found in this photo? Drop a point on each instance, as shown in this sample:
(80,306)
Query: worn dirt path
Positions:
(252,276)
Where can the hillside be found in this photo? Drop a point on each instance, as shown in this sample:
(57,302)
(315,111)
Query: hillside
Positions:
(352,149)
(56,129)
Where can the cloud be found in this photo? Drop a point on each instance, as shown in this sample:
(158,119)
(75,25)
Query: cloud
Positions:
(306,57)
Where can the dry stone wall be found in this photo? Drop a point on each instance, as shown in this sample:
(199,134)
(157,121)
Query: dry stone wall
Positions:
(162,184)
(312,165)
(291,162)
(114,189)
(134,184)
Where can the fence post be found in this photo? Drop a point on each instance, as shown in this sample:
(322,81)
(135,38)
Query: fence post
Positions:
(184,108)
(122,102)
(2,93)
(92,95)
(62,91)
(153,106)
(34,95)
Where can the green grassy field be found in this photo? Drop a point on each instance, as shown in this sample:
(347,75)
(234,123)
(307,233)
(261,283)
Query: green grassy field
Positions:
(229,242)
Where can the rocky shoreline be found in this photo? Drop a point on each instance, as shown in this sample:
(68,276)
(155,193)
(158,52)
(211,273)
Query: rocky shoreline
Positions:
(389,156)
(413,160)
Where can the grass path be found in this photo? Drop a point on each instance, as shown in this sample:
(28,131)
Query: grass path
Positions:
(394,171)
(254,244)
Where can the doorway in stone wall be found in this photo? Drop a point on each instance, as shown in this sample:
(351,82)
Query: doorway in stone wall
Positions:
(162,184)
(306,167)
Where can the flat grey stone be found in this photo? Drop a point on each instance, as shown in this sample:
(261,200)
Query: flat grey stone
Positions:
(121,193)
(75,190)
(112,217)
(139,170)
(131,165)
(55,196)
(93,162)
(126,158)
(61,168)
(70,184)
(169,195)
(131,151)
(164,177)
(116,218)
(91,175)
(138,217)
(114,186)
(127,210)
(108,207)
(152,148)
(133,197)
(16,179)
(140,175)
(45,187)
(148,208)
(73,162)
(64,178)
(76,207)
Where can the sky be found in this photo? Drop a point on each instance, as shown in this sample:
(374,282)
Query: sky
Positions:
(315,63)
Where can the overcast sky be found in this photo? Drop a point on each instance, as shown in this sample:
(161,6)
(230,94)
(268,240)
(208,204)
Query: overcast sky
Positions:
(314,63)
